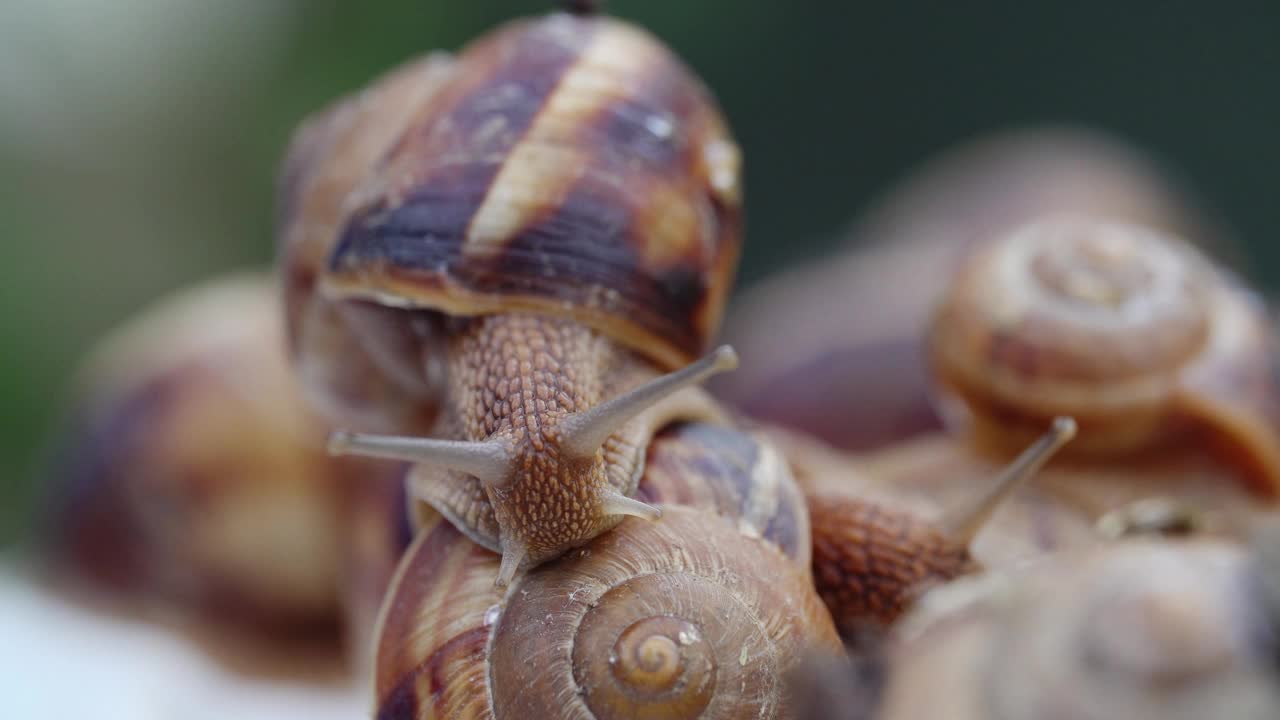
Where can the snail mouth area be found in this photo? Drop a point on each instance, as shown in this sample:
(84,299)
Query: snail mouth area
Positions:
(552,504)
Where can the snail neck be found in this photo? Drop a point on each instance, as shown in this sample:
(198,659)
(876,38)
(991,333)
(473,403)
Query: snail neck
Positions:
(518,378)
(516,373)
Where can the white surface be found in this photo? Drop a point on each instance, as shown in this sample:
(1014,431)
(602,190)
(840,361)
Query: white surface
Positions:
(59,662)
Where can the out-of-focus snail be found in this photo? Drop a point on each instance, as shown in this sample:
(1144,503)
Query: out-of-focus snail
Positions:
(700,614)
(1133,333)
(195,477)
(858,378)
(1140,629)
(1203,439)
(506,250)
(877,548)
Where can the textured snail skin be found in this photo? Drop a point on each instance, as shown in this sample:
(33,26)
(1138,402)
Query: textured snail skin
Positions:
(1130,331)
(699,614)
(195,477)
(863,383)
(543,223)
(871,562)
(1136,630)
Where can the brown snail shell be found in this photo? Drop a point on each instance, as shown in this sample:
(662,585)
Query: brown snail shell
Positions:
(1130,331)
(1139,629)
(195,477)
(864,383)
(699,614)
(511,256)
(518,187)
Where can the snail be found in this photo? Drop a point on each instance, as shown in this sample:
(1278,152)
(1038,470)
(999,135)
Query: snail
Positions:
(1131,331)
(1138,629)
(193,481)
(700,614)
(860,380)
(876,549)
(1200,458)
(511,260)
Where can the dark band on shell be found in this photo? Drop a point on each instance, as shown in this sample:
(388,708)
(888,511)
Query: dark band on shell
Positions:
(571,166)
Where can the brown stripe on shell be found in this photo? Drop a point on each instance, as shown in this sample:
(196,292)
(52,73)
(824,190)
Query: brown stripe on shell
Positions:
(733,474)
(432,633)
(645,235)
(605,210)
(548,161)
(421,203)
(330,156)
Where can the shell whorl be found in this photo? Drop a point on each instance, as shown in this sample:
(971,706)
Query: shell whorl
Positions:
(1130,331)
(1072,316)
(570,165)
(686,617)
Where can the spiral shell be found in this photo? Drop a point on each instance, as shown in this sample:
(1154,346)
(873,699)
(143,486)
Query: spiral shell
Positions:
(698,614)
(1130,331)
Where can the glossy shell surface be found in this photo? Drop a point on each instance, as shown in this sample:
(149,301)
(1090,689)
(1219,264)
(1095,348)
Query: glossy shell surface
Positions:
(567,165)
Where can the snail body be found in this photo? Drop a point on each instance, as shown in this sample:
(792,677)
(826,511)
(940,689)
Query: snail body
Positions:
(542,227)
(699,614)
(881,540)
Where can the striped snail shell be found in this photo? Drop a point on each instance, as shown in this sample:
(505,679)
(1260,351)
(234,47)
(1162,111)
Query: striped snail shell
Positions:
(1131,331)
(505,251)
(699,614)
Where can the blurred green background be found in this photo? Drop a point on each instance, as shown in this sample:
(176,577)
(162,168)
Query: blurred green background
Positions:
(139,138)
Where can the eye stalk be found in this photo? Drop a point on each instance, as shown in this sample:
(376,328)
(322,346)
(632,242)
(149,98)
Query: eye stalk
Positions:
(586,431)
(489,461)
(961,525)
(493,461)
